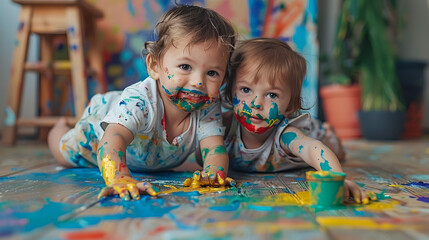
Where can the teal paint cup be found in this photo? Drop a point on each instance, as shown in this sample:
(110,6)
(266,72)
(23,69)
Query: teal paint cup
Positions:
(326,188)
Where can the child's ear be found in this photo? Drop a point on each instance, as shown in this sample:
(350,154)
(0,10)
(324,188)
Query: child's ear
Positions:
(152,67)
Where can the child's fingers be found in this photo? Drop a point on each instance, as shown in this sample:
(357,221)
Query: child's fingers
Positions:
(147,187)
(132,188)
(372,196)
(221,178)
(229,181)
(188,182)
(356,195)
(123,192)
(346,193)
(106,191)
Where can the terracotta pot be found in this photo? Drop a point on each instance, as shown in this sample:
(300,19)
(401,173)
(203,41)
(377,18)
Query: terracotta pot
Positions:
(341,105)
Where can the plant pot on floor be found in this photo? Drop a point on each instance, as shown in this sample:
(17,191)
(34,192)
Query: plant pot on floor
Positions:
(382,125)
(411,76)
(341,105)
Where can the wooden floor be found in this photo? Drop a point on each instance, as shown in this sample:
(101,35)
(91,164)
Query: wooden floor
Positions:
(40,200)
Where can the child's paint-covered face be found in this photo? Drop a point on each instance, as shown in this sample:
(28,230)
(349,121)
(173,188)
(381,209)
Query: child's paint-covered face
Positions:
(190,76)
(258,105)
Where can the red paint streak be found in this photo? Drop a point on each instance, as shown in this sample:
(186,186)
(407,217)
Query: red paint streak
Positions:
(250,127)
(268,14)
(163,125)
(221,174)
(121,166)
(158,230)
(85,235)
(286,18)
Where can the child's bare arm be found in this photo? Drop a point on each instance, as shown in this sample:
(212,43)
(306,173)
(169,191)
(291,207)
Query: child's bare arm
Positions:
(215,164)
(319,156)
(111,159)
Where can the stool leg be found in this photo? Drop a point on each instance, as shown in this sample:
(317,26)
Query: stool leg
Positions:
(46,84)
(75,42)
(16,76)
(95,56)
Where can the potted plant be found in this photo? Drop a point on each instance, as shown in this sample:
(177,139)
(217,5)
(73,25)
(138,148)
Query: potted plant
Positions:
(341,99)
(382,116)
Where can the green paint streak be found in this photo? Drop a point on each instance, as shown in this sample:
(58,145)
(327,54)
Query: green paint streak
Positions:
(220,149)
(288,137)
(204,152)
(120,154)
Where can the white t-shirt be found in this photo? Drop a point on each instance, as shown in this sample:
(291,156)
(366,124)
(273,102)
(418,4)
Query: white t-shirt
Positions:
(269,157)
(140,109)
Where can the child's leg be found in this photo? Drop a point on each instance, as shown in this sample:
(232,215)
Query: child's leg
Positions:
(54,137)
(331,140)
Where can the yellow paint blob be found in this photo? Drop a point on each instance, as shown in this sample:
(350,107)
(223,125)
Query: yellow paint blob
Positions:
(108,168)
(354,222)
(201,190)
(379,206)
(282,199)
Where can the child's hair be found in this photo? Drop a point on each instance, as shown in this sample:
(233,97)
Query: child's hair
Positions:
(201,24)
(276,62)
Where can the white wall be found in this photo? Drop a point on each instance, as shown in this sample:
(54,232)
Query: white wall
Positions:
(413,46)
(9,13)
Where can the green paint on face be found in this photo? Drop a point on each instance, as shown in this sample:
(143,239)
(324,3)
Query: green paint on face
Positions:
(253,105)
(274,117)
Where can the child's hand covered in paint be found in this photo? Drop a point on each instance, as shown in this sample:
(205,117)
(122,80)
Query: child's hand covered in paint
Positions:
(127,187)
(201,179)
(359,195)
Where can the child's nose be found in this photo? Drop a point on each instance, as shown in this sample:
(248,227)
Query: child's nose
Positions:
(197,81)
(256,103)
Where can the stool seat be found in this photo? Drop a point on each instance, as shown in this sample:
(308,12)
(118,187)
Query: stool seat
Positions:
(75,19)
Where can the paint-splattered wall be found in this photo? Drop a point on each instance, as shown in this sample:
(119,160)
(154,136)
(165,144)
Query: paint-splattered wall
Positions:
(127,24)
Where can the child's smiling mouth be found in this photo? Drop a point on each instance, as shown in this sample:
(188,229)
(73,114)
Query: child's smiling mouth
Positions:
(191,97)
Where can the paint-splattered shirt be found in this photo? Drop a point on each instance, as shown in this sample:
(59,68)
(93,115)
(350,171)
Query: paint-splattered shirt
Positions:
(270,157)
(140,109)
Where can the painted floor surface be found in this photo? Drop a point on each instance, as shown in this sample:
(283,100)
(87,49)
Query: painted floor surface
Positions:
(40,200)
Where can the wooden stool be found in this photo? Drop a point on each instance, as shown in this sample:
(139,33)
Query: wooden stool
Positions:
(74,18)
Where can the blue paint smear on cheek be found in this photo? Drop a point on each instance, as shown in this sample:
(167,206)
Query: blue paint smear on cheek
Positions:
(324,165)
(288,137)
(235,100)
(300,148)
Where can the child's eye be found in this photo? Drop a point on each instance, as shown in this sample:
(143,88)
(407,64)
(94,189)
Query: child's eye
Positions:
(185,67)
(245,90)
(212,73)
(272,95)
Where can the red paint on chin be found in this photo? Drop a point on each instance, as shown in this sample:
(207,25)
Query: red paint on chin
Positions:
(182,96)
(250,127)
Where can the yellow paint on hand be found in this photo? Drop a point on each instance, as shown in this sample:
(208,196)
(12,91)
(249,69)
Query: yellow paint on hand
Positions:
(108,169)
(190,189)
